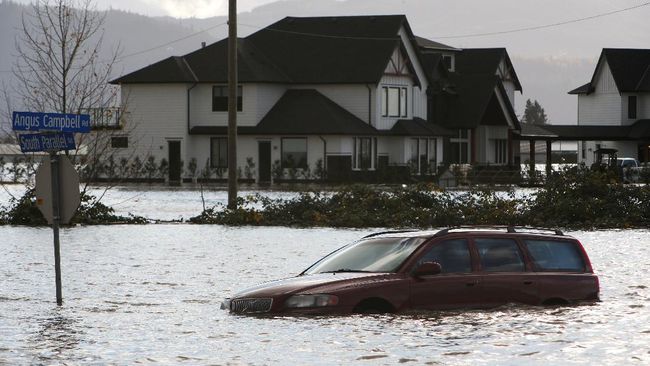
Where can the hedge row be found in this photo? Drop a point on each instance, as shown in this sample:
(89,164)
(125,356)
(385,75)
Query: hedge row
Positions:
(576,198)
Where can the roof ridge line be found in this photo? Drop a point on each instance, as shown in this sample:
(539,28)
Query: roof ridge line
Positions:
(196,80)
(646,73)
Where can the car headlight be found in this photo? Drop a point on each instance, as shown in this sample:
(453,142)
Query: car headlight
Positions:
(311,301)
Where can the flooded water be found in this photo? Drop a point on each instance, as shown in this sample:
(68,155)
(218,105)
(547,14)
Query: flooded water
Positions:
(151,295)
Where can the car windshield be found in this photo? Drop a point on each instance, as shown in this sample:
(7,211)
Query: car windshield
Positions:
(371,255)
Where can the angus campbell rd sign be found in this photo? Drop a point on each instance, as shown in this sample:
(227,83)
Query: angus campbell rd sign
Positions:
(62,122)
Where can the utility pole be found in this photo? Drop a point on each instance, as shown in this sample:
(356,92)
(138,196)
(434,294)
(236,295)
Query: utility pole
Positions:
(232,104)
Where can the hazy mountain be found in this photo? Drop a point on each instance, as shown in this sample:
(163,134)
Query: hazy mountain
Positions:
(549,62)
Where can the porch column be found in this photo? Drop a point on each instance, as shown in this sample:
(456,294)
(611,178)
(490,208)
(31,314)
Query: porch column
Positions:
(509,158)
(548,158)
(473,146)
(532,158)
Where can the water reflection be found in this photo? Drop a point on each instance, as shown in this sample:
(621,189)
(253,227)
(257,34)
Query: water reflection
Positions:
(57,338)
(151,295)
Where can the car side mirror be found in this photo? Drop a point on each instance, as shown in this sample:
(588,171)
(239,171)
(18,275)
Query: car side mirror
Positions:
(427,269)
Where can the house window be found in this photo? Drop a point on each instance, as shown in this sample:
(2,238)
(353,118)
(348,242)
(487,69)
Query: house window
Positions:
(220,98)
(423,155)
(448,60)
(364,153)
(219,152)
(631,106)
(294,152)
(500,151)
(119,142)
(460,147)
(394,101)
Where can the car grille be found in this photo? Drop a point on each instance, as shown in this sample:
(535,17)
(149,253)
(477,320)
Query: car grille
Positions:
(251,305)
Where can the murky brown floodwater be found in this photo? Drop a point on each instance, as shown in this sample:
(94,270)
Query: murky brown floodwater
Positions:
(151,295)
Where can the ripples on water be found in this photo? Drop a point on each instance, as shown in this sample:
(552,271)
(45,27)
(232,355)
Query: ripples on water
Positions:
(151,295)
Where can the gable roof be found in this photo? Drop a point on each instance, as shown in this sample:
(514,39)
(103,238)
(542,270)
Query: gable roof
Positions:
(637,131)
(312,50)
(484,61)
(630,69)
(418,127)
(434,46)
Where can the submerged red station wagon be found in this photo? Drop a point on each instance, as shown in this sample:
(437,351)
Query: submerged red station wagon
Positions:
(450,268)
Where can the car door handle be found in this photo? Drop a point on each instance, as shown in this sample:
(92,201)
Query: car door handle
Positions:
(470,284)
(528,282)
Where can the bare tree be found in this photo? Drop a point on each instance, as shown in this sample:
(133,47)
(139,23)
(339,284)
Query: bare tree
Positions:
(62,66)
(58,67)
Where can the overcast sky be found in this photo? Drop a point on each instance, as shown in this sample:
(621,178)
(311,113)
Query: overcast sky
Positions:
(176,8)
(554,44)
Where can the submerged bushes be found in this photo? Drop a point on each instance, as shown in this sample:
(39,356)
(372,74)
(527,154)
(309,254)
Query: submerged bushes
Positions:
(574,198)
(23,211)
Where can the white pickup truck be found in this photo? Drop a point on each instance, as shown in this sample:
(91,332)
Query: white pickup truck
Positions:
(630,169)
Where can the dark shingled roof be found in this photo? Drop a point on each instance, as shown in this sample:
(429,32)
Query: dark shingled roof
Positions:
(302,112)
(630,69)
(474,94)
(433,45)
(306,111)
(418,127)
(484,61)
(637,131)
(170,70)
(351,49)
(583,89)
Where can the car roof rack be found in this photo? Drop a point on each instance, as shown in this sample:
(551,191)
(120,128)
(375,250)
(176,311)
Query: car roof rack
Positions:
(388,232)
(508,228)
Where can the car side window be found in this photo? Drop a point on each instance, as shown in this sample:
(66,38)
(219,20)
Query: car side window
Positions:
(499,255)
(453,256)
(555,255)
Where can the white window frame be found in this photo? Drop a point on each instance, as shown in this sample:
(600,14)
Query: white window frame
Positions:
(356,153)
(400,107)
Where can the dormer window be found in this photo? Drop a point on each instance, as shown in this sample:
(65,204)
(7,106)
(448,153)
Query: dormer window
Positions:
(394,101)
(448,60)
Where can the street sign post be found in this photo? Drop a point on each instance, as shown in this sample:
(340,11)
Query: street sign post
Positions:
(57,182)
(56,141)
(68,189)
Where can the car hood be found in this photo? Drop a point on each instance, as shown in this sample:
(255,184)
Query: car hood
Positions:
(304,283)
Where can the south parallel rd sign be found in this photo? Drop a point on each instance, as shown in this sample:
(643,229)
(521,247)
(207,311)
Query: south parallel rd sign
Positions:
(33,142)
(34,121)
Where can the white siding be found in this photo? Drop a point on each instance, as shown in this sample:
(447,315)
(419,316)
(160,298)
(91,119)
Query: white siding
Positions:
(157,113)
(354,98)
(267,96)
(603,106)
(201,104)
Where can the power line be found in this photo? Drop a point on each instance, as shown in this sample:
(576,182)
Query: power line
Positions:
(152,48)
(516,30)
(469,35)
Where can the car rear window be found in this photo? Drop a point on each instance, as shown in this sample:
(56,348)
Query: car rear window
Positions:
(555,255)
(499,255)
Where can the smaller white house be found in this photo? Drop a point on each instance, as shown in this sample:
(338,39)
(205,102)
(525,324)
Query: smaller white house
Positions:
(614,107)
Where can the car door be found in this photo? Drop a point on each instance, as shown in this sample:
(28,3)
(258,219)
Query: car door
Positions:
(504,276)
(562,270)
(456,285)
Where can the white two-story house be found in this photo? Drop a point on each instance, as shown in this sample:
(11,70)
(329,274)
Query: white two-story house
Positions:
(341,95)
(614,107)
